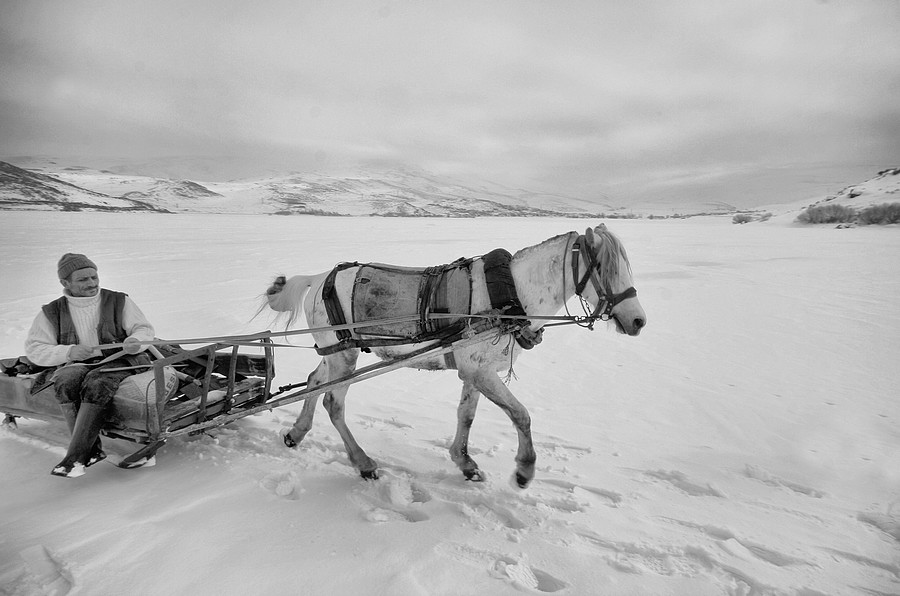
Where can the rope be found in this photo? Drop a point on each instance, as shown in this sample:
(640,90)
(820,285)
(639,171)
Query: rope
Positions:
(255,339)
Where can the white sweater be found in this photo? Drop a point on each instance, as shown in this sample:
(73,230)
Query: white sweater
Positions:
(42,349)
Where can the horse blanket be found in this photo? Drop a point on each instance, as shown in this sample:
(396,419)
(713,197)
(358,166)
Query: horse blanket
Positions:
(383,292)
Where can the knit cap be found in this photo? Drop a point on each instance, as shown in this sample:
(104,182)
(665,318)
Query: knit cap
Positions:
(70,262)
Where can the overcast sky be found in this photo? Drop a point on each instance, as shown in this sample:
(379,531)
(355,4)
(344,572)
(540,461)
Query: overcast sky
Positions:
(597,98)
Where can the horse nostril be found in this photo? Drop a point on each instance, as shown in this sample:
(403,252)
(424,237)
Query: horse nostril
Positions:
(639,323)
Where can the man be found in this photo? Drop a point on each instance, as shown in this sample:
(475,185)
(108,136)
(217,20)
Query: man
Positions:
(66,333)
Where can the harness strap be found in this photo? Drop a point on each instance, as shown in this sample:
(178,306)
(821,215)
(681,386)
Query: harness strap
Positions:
(606,300)
(578,247)
(333,307)
(502,292)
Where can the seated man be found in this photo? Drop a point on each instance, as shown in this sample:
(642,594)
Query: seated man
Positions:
(66,334)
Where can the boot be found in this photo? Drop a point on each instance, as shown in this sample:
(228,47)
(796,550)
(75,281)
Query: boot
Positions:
(84,437)
(96,455)
(70,413)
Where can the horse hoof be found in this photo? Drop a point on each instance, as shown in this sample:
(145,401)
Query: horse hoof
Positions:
(369,474)
(522,481)
(474,475)
(288,441)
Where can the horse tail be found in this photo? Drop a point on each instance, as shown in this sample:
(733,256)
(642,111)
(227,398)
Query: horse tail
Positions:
(286,295)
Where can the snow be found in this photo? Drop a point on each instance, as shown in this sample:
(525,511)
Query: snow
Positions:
(747,442)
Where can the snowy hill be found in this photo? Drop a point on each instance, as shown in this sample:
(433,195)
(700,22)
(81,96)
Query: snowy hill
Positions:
(387,194)
(50,185)
(883,188)
(26,190)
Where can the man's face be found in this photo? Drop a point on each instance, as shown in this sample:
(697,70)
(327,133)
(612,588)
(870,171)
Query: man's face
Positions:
(82,283)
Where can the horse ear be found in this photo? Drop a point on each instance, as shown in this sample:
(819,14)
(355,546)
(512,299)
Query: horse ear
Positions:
(601,228)
(589,236)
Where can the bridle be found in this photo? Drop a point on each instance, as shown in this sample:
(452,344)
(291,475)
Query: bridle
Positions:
(606,300)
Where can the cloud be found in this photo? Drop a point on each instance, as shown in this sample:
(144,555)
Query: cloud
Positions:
(581,97)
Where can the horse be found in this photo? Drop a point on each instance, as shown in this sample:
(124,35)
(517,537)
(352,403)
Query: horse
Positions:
(546,276)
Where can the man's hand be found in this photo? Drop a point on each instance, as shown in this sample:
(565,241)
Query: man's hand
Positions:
(80,352)
(132,345)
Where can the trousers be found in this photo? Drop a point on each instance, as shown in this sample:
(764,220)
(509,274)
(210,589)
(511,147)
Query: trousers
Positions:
(78,383)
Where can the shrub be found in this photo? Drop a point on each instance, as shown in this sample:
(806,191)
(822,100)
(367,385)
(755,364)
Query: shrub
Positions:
(828,214)
(742,218)
(886,213)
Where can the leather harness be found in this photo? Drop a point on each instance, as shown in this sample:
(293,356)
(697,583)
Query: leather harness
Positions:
(441,289)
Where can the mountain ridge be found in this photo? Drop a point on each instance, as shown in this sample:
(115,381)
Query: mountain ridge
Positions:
(392,194)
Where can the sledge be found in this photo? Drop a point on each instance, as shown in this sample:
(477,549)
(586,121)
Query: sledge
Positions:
(181,388)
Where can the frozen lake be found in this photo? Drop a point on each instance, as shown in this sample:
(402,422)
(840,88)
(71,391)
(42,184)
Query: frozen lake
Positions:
(745,443)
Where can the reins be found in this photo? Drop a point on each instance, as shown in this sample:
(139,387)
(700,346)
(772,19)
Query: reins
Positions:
(254,339)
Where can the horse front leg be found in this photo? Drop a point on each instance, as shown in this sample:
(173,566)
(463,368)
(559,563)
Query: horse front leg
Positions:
(334,403)
(489,383)
(465,415)
(341,365)
(304,421)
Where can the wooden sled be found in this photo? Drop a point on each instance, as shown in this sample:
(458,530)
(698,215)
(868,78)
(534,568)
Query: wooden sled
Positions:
(181,389)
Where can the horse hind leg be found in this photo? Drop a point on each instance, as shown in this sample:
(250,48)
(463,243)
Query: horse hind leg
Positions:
(465,415)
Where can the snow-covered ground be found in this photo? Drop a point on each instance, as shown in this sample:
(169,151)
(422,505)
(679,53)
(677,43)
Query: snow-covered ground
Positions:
(747,442)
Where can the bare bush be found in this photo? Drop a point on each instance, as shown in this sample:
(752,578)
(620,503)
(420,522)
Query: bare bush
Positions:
(886,213)
(742,218)
(828,214)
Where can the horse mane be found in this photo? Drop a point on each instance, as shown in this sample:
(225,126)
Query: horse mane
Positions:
(528,249)
(608,252)
(609,249)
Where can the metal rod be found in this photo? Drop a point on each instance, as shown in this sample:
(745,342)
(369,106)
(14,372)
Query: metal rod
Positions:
(362,374)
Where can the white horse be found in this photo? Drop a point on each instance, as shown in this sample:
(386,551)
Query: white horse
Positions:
(594,266)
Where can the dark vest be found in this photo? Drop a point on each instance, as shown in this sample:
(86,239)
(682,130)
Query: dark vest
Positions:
(110,329)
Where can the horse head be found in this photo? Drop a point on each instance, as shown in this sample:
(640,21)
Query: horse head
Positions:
(611,290)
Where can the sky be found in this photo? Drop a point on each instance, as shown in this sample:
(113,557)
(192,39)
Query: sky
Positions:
(618,102)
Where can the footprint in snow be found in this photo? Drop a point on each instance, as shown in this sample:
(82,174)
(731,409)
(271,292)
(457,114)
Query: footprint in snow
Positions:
(511,569)
(730,542)
(371,421)
(285,485)
(889,524)
(680,481)
(392,498)
(522,574)
(51,576)
(757,473)
(630,557)
(559,450)
(612,497)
